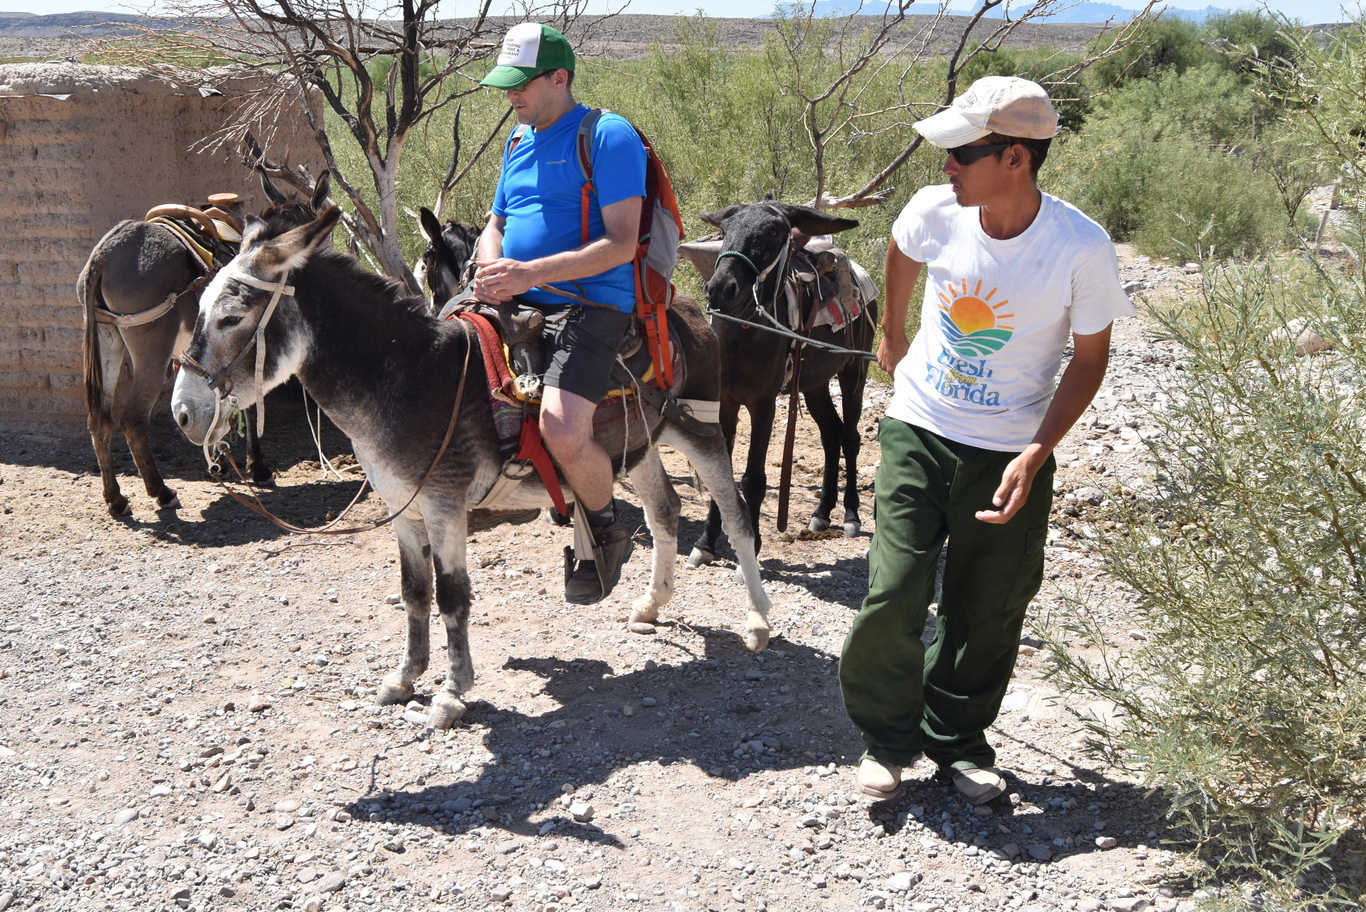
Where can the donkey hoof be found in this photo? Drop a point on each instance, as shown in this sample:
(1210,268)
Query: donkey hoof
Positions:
(121,507)
(169,503)
(644,610)
(699,558)
(393,691)
(642,627)
(852,529)
(818,524)
(756,639)
(446,710)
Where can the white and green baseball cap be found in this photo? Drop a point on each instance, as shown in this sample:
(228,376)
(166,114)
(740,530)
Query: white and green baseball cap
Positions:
(528,50)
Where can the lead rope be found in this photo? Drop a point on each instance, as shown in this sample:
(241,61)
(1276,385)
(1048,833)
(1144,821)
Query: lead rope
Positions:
(330,529)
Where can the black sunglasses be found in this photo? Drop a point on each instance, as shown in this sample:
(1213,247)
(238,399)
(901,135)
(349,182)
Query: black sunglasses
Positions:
(533,79)
(966,155)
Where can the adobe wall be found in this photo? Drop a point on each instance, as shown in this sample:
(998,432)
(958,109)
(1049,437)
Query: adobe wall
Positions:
(81,148)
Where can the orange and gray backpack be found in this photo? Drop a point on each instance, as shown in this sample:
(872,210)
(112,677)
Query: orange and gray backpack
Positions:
(661,230)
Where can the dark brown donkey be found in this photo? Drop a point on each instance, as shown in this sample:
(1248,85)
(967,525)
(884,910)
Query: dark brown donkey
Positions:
(410,392)
(749,275)
(140,293)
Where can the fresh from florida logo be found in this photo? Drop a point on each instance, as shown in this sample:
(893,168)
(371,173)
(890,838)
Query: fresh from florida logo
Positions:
(971,322)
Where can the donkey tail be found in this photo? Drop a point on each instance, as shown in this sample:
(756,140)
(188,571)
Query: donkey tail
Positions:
(89,298)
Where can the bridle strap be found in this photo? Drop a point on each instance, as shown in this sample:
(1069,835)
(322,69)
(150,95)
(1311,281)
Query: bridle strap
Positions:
(760,275)
(258,342)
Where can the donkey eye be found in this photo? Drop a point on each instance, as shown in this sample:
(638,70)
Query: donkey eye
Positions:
(229,322)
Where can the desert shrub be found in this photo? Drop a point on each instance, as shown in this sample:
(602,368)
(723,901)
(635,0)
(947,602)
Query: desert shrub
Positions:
(1209,200)
(1165,162)
(1164,44)
(1245,706)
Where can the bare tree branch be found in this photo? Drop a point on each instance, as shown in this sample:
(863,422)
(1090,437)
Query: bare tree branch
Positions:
(835,109)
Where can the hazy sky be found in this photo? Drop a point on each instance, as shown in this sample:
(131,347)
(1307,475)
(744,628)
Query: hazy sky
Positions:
(1309,12)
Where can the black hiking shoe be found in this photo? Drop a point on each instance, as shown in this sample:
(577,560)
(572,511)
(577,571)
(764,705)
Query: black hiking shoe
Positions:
(591,581)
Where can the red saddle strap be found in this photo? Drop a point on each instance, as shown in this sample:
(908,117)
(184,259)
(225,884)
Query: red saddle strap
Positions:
(495,361)
(530,447)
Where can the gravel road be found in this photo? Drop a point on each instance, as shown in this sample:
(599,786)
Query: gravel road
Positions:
(187,717)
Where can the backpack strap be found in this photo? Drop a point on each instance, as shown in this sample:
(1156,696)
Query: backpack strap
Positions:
(584,146)
(513,139)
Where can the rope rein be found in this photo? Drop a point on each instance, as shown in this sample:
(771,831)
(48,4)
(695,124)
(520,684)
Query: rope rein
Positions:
(224,395)
(775,326)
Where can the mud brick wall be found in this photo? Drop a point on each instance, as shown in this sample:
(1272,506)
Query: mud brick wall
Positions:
(81,148)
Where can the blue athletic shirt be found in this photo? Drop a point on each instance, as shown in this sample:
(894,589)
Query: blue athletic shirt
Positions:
(540,196)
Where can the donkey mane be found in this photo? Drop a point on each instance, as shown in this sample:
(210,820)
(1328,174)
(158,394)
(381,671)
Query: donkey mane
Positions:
(337,276)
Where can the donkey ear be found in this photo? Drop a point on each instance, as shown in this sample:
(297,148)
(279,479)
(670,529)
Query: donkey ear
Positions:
(294,247)
(430,225)
(813,222)
(320,191)
(720,215)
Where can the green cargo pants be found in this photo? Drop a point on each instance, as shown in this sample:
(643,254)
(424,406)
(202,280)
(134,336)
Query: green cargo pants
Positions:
(907,700)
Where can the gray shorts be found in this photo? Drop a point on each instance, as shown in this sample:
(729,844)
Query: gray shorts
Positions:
(581,348)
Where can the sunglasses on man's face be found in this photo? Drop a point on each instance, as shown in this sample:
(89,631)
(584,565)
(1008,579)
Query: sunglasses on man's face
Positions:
(966,155)
(523,86)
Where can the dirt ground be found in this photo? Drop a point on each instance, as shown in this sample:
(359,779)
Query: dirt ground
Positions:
(187,716)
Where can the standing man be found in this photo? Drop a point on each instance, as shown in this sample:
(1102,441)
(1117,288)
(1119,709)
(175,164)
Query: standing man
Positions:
(537,247)
(967,443)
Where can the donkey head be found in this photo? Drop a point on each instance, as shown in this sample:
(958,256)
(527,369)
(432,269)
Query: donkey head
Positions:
(450,250)
(246,340)
(758,240)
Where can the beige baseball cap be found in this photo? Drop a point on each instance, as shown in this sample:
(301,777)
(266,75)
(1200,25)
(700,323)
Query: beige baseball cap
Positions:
(1007,105)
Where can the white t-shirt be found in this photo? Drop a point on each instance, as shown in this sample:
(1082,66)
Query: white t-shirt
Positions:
(997,316)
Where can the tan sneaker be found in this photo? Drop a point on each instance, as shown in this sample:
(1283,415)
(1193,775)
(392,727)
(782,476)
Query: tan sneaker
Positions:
(881,780)
(979,785)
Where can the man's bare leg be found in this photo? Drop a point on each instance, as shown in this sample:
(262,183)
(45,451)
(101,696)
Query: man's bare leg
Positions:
(567,429)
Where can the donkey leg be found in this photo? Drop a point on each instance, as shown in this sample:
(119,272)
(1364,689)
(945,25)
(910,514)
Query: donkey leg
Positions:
(712,463)
(662,506)
(853,380)
(704,549)
(260,472)
(453,598)
(754,483)
(150,370)
(415,571)
(100,419)
(102,438)
(822,409)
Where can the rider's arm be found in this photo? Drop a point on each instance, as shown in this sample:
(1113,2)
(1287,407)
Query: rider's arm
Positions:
(500,278)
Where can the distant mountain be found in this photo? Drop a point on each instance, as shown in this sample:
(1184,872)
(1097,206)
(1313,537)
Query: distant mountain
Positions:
(1086,12)
(74,25)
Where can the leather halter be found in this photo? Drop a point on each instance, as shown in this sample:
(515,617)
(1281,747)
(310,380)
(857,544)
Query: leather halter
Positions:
(220,382)
(760,275)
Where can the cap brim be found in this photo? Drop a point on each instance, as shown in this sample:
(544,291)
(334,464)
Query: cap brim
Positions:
(508,77)
(949,129)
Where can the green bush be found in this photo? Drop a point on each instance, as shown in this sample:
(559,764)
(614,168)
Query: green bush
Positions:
(1162,45)
(1245,705)
(1167,163)
(1210,201)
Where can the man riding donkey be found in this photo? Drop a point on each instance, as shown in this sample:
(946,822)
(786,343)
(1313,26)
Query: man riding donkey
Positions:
(537,247)
(1013,275)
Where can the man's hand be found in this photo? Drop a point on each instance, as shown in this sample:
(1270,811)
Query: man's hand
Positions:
(1013,491)
(892,349)
(501,280)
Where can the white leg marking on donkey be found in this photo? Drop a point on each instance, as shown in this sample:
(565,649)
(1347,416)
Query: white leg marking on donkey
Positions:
(711,461)
(661,504)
